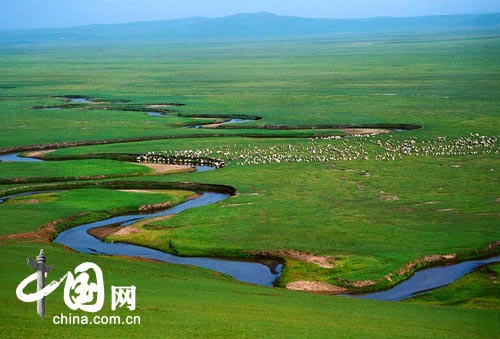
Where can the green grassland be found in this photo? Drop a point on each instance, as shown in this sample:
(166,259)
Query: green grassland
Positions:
(372,214)
(29,213)
(180,301)
(68,169)
(439,84)
(372,234)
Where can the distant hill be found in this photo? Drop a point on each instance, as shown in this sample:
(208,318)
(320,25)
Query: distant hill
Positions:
(254,26)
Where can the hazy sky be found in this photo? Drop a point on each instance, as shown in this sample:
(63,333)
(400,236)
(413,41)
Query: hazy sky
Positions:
(60,13)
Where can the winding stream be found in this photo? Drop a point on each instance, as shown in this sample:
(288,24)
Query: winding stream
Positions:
(253,272)
(79,239)
(7,197)
(428,279)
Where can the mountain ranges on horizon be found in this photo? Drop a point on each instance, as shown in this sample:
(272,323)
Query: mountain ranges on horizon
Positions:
(252,26)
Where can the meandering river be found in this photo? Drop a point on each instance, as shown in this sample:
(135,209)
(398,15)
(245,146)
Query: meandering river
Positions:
(252,272)
(429,279)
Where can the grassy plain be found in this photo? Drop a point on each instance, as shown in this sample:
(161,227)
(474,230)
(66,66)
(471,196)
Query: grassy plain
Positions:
(371,216)
(29,213)
(445,84)
(180,301)
(378,218)
(67,169)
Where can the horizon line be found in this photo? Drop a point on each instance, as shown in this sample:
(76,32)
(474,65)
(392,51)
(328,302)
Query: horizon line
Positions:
(244,13)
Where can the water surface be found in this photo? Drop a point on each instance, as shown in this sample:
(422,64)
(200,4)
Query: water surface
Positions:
(236,121)
(429,279)
(79,239)
(80,100)
(156,114)
(17,158)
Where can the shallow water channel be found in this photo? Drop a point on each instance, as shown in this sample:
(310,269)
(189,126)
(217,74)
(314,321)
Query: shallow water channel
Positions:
(252,272)
(16,157)
(429,279)
(155,114)
(236,121)
(80,100)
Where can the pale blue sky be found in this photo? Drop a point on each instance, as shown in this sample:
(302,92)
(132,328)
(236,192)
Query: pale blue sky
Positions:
(61,13)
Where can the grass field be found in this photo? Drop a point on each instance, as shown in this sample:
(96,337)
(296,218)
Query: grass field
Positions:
(179,301)
(439,84)
(29,213)
(370,205)
(58,170)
